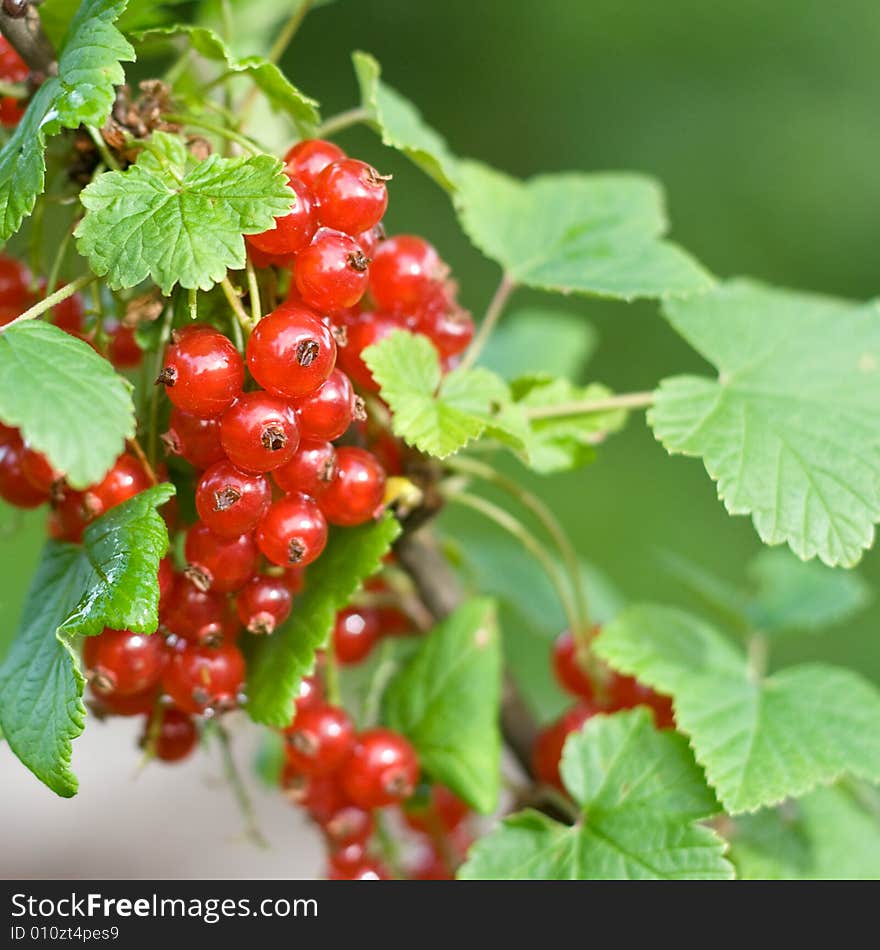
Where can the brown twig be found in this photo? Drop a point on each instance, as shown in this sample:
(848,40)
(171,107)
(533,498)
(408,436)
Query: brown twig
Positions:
(24,30)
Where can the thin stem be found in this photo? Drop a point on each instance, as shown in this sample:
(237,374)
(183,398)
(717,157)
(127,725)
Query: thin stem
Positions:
(103,151)
(214,129)
(385,669)
(623,401)
(550,523)
(519,531)
(493,314)
(57,263)
(757,656)
(388,846)
(235,302)
(287,34)
(193,303)
(344,120)
(141,456)
(47,303)
(253,292)
(331,674)
(252,829)
(164,337)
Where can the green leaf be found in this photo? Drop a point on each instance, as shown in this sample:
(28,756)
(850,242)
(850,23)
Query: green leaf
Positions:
(56,16)
(401,126)
(639,794)
(794,595)
(110,581)
(760,739)
(539,341)
(174,219)
(82,93)
(446,701)
(562,443)
(280,92)
(251,25)
(827,835)
(439,415)
(67,400)
(576,233)
(798,387)
(276,664)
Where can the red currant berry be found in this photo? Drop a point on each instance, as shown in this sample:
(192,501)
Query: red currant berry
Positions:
(15,282)
(264,603)
(176,738)
(370,240)
(450,329)
(307,159)
(548,745)
(355,633)
(125,479)
(38,470)
(349,825)
(366,870)
(124,350)
(295,578)
(194,614)
(259,432)
(15,487)
(351,196)
(261,260)
(221,564)
(626,692)
(232,502)
(291,352)
(320,796)
(70,515)
(320,740)
(310,470)
(293,531)
(198,678)
(194,439)
(441,813)
(332,273)
(165,577)
(203,372)
(310,694)
(383,769)
(368,329)
(12,69)
(122,663)
(292,231)
(404,272)
(357,490)
(569,673)
(328,412)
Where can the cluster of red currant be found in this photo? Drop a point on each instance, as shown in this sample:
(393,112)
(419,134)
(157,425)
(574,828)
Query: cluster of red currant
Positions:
(610,694)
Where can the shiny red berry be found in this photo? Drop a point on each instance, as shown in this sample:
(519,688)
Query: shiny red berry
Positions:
(569,673)
(310,470)
(232,502)
(221,564)
(351,196)
(198,678)
(121,663)
(328,412)
(259,432)
(194,614)
(291,352)
(203,372)
(404,272)
(320,740)
(165,578)
(293,531)
(125,479)
(348,825)
(176,738)
(292,231)
(194,439)
(264,603)
(137,704)
(367,869)
(449,328)
(357,490)
(15,487)
(123,348)
(15,282)
(370,328)
(626,692)
(332,273)
(355,633)
(441,813)
(307,159)
(70,514)
(548,746)
(383,769)
(12,69)
(38,470)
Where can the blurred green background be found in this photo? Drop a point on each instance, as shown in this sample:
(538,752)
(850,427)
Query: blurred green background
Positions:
(759,118)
